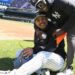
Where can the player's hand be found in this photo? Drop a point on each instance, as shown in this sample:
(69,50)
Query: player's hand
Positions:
(27,52)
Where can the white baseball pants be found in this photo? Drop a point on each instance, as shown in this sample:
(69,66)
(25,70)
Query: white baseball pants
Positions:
(42,59)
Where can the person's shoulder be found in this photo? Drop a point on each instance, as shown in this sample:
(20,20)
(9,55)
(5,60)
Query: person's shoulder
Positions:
(70,2)
(50,1)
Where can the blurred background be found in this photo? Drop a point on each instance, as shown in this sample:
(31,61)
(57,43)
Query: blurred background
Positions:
(20,10)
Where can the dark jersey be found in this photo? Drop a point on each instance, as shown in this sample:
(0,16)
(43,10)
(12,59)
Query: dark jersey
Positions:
(62,13)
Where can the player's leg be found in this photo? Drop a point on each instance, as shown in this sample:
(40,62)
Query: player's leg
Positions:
(42,59)
(30,67)
(54,61)
(20,59)
(17,62)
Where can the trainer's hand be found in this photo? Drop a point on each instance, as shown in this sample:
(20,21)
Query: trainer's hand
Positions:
(27,52)
(58,32)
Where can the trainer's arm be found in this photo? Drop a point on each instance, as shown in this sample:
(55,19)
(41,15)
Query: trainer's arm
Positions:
(70,23)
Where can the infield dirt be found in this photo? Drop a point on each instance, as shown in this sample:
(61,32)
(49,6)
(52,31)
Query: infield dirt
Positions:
(10,30)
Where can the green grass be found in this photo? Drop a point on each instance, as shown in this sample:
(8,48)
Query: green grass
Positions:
(8,49)
(74,65)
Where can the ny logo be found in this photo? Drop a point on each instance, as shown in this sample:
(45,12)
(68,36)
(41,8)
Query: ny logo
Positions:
(56,15)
